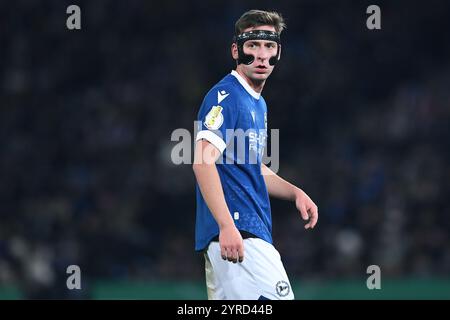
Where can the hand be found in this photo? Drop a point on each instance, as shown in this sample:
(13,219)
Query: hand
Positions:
(307,208)
(231,244)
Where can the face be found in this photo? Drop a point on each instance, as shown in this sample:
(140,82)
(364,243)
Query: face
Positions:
(262,50)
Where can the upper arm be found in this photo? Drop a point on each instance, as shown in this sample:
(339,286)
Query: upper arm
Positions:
(216,116)
(205,152)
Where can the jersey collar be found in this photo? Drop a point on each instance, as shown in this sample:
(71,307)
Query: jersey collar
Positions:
(246,86)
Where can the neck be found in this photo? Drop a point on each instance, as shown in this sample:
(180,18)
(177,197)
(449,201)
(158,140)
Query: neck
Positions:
(254,84)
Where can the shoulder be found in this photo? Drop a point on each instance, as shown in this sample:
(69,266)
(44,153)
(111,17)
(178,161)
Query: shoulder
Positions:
(262,103)
(262,100)
(224,92)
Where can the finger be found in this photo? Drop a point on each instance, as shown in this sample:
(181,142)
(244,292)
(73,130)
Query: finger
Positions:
(314,216)
(241,254)
(236,255)
(232,255)
(229,254)
(223,253)
(303,212)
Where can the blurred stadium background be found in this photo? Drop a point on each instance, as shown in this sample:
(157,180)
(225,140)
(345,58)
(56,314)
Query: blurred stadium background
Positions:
(85,124)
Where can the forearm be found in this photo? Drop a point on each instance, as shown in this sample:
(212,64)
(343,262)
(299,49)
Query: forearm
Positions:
(277,186)
(211,188)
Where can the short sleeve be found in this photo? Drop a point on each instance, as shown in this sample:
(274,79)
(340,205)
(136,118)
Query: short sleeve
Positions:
(217,114)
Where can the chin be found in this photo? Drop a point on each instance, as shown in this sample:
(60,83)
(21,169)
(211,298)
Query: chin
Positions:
(260,77)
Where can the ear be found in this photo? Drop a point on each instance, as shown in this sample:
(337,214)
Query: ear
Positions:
(234,51)
(279,54)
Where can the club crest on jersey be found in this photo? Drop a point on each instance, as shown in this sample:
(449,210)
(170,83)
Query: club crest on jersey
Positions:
(282,288)
(214,118)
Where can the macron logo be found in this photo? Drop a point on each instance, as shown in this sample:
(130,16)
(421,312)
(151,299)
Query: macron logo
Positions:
(221,95)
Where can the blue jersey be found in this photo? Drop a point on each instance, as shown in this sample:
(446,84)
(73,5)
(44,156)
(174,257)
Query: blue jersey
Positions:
(232,106)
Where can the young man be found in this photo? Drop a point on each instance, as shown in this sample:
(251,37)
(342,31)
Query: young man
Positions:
(233,209)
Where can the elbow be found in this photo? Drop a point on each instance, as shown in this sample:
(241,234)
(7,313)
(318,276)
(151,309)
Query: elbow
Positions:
(195,168)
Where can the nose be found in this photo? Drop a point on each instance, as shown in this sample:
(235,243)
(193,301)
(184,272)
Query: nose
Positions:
(262,54)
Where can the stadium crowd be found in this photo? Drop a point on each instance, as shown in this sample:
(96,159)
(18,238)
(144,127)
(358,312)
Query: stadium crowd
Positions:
(86,119)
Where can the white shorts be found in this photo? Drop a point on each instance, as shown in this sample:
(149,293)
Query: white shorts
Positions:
(260,276)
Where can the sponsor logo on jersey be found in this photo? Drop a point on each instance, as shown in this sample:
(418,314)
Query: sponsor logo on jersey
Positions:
(221,95)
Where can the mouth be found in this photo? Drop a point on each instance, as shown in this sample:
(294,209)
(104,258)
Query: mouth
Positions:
(261,69)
